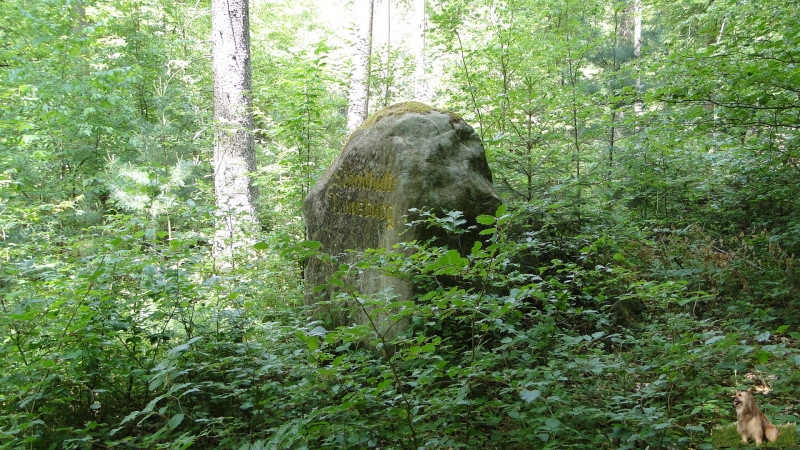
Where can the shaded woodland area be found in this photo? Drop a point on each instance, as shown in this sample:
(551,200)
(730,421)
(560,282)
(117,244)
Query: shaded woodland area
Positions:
(644,263)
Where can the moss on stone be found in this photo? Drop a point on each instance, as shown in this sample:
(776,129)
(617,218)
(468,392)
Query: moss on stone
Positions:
(403,108)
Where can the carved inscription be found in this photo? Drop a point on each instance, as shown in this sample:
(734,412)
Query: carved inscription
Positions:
(369,181)
(364,195)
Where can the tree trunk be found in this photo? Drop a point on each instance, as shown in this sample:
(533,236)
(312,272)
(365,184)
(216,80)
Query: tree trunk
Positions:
(637,50)
(421,89)
(234,154)
(359,77)
(387,65)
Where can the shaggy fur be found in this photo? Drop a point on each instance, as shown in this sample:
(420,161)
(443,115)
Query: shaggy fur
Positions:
(752,423)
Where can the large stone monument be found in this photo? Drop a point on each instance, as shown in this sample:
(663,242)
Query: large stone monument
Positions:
(406,156)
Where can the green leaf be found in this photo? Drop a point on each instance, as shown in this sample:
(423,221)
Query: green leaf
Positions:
(529,396)
(312,343)
(261,245)
(385,384)
(185,346)
(662,425)
(175,420)
(152,404)
(485,219)
(552,423)
(313,245)
(129,417)
(502,220)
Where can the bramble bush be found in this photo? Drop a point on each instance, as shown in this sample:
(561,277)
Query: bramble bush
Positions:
(499,357)
(514,343)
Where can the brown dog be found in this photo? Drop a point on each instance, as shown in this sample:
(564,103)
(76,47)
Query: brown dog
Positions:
(752,423)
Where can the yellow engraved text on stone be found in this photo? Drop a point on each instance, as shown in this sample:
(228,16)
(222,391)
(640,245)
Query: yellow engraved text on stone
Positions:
(369,181)
(380,184)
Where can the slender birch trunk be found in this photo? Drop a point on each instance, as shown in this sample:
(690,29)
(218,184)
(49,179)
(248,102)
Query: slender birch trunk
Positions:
(637,49)
(421,88)
(359,77)
(387,65)
(234,153)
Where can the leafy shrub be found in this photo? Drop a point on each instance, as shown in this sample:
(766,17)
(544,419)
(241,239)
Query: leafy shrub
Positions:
(506,346)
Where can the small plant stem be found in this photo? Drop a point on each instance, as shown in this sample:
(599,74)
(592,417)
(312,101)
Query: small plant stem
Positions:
(392,367)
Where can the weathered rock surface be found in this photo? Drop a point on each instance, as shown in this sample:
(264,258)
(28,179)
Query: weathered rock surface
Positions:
(406,156)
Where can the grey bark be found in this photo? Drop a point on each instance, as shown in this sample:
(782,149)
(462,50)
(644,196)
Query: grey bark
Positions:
(421,88)
(358,107)
(637,48)
(234,153)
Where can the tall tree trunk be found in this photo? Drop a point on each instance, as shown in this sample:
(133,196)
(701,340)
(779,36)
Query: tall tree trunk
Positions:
(637,49)
(421,89)
(234,154)
(387,65)
(359,77)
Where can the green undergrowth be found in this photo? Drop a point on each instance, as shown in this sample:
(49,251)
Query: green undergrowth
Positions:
(515,343)
(727,437)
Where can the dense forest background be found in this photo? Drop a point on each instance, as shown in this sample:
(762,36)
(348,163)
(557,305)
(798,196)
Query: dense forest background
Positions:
(644,264)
